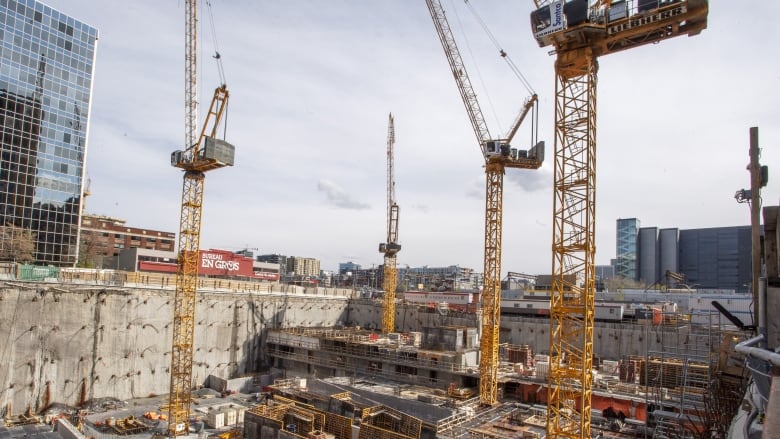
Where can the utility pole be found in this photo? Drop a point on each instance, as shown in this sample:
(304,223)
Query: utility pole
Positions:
(755,222)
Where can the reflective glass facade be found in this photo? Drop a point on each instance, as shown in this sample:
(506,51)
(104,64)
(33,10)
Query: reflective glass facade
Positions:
(46,67)
(627,234)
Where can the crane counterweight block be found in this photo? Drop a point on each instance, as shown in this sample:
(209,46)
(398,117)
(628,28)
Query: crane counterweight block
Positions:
(389,248)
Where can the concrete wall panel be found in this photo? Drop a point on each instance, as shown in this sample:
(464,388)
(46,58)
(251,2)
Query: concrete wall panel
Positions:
(71,344)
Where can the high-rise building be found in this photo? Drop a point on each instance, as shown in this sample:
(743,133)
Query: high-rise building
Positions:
(717,257)
(627,235)
(648,255)
(46,69)
(303,267)
(668,253)
(345,267)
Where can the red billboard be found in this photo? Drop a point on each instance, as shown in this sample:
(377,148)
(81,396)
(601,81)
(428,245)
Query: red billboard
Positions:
(217,263)
(224,263)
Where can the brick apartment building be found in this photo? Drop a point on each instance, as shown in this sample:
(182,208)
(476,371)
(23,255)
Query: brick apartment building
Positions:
(103,238)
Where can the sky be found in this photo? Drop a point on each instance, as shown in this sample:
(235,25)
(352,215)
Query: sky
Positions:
(312,83)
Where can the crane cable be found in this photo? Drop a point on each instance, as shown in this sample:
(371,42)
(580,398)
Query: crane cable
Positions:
(501,51)
(476,67)
(218,57)
(513,67)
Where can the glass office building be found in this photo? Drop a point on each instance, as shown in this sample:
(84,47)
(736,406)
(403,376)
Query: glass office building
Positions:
(627,248)
(46,69)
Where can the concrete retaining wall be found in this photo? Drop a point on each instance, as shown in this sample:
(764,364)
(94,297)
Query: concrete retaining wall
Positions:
(71,344)
(74,343)
(610,340)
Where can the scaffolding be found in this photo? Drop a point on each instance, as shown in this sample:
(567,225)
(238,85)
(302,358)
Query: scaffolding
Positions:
(359,351)
(679,371)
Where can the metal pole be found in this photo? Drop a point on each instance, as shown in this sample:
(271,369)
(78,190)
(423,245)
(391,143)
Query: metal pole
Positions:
(755,222)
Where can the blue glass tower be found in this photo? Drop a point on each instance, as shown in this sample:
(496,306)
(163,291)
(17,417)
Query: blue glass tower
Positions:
(46,67)
(627,234)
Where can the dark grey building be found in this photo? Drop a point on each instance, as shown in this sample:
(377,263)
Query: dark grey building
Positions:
(604,272)
(274,259)
(47,63)
(668,252)
(717,257)
(648,255)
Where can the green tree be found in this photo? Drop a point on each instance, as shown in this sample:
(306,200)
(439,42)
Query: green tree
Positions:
(91,251)
(16,244)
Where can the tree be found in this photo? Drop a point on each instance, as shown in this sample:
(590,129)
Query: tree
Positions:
(16,244)
(91,251)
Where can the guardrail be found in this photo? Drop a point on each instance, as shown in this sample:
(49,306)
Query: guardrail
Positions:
(118,278)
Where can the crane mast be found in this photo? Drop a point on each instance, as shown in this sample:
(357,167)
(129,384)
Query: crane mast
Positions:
(498,155)
(391,247)
(201,154)
(580,33)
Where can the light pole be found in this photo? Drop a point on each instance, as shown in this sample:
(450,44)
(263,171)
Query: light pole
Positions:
(759,177)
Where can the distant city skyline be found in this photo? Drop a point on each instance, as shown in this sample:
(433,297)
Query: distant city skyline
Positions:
(311,88)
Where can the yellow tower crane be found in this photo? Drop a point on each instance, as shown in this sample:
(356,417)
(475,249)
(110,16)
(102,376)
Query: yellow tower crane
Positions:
(498,155)
(202,153)
(580,31)
(390,248)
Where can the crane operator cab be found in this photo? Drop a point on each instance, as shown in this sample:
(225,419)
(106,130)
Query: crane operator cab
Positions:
(549,22)
(498,148)
(495,148)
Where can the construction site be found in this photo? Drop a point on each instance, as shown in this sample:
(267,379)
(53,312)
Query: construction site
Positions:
(105,353)
(102,357)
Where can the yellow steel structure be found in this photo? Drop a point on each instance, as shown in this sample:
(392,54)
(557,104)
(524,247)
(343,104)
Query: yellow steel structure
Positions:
(498,155)
(199,157)
(579,34)
(391,247)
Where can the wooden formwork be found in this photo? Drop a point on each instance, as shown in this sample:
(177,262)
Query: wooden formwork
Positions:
(392,421)
(368,431)
(304,417)
(666,372)
(339,426)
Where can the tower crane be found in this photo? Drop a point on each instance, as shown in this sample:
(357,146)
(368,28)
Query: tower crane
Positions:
(579,32)
(390,248)
(498,155)
(202,153)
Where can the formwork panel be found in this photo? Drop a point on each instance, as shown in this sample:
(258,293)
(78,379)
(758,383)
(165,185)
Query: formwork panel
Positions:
(339,426)
(370,432)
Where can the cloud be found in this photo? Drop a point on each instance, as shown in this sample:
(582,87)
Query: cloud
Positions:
(338,197)
(476,189)
(527,180)
(530,181)
(424,208)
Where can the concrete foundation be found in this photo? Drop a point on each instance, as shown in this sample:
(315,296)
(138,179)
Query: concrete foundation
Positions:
(72,343)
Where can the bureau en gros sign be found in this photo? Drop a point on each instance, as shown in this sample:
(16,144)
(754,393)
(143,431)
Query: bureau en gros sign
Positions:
(209,260)
(218,261)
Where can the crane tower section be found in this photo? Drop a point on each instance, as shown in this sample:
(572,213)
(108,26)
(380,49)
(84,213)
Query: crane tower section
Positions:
(390,248)
(201,154)
(498,155)
(580,32)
